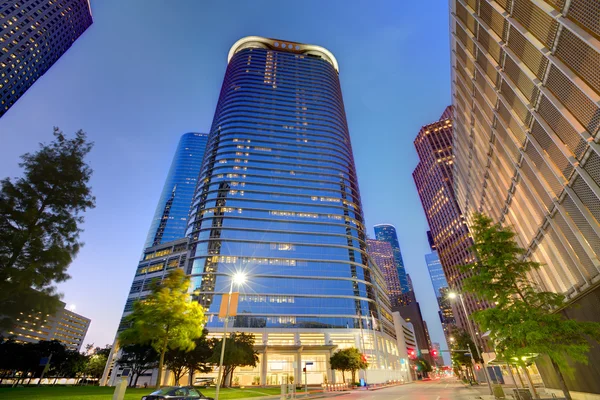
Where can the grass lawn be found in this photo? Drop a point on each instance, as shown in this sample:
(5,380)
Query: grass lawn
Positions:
(105,393)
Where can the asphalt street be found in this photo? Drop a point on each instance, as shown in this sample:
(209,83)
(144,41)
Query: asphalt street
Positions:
(443,389)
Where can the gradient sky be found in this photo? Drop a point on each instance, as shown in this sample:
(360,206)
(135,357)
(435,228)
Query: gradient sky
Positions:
(148,71)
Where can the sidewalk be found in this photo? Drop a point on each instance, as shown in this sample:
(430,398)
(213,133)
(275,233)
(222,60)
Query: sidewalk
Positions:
(483,392)
(301,395)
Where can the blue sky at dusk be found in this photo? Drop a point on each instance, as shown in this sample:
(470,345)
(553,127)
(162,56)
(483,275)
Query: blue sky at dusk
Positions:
(148,71)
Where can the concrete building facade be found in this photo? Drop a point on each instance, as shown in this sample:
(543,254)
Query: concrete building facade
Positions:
(526,95)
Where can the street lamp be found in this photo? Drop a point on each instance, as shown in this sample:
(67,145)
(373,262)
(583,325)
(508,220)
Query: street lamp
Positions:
(238,278)
(452,296)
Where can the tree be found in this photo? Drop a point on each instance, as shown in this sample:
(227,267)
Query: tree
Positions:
(140,358)
(40,215)
(464,352)
(356,361)
(350,359)
(423,366)
(339,362)
(525,320)
(239,352)
(167,318)
(95,365)
(72,365)
(176,362)
(198,358)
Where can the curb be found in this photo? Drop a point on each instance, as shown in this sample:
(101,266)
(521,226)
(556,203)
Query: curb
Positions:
(301,396)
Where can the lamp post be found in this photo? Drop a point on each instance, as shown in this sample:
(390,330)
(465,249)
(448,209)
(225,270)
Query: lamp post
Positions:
(453,295)
(238,278)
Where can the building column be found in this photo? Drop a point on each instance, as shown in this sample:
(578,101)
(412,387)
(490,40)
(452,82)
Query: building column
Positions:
(299,374)
(330,372)
(263,368)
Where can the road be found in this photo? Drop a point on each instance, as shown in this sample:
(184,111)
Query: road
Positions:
(443,389)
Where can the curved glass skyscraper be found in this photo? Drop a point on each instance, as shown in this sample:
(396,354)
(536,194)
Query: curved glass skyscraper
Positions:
(278,199)
(171,215)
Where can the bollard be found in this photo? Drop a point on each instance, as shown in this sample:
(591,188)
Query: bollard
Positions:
(119,393)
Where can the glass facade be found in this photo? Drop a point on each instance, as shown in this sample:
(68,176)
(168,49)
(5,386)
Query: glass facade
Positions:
(383,255)
(278,198)
(33,36)
(388,234)
(436,272)
(171,215)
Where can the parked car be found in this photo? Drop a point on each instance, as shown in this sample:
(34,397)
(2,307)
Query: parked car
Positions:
(176,393)
(205,382)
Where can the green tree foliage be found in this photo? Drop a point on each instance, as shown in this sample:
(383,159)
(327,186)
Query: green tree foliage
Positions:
(140,358)
(423,367)
(176,362)
(167,318)
(339,362)
(22,360)
(40,215)
(181,361)
(198,358)
(239,352)
(350,359)
(525,320)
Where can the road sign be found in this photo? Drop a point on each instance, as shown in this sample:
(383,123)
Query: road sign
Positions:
(308,363)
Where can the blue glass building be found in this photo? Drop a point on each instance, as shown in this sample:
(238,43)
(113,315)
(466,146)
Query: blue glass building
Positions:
(388,233)
(279,200)
(171,215)
(436,272)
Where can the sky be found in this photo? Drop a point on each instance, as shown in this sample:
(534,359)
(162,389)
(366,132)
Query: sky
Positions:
(147,71)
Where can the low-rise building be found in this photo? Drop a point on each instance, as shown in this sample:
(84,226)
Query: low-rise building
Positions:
(66,326)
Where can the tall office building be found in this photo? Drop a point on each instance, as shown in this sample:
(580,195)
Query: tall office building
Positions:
(410,310)
(278,199)
(383,255)
(440,287)
(166,244)
(434,179)
(387,232)
(410,284)
(436,272)
(173,208)
(526,90)
(34,35)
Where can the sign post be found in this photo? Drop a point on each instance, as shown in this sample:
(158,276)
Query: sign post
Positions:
(305,377)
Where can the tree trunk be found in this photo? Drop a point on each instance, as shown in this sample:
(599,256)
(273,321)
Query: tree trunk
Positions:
(353,376)
(161,362)
(530,382)
(137,376)
(191,376)
(343,377)
(561,380)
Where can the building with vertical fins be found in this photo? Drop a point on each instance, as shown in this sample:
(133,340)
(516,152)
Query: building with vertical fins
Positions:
(387,233)
(434,180)
(171,215)
(526,92)
(33,37)
(278,200)
(383,255)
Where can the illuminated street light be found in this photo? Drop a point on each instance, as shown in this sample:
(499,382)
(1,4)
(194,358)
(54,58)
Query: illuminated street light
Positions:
(239,278)
(454,295)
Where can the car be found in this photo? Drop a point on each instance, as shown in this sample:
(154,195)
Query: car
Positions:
(176,393)
(204,382)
